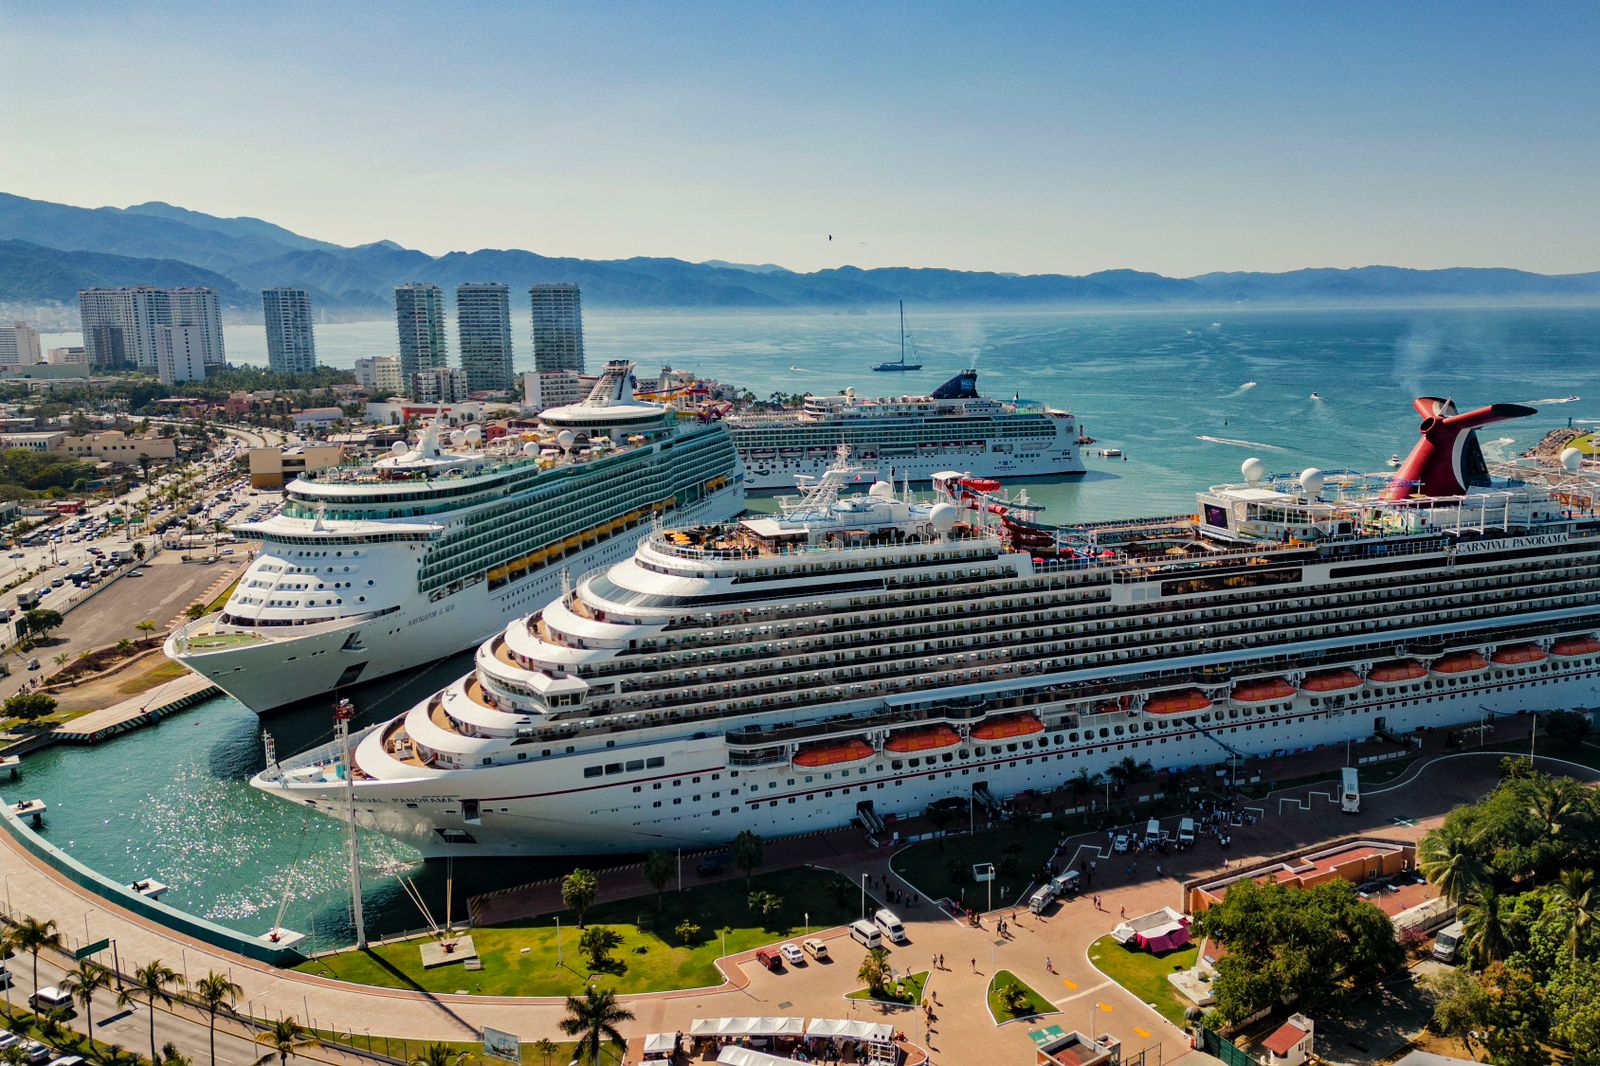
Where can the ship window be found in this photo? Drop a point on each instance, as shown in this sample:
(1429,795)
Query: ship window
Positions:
(593,771)
(676,800)
(635,764)
(657,803)
(655,763)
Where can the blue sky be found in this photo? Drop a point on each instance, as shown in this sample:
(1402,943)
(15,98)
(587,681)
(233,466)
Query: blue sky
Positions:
(1173,137)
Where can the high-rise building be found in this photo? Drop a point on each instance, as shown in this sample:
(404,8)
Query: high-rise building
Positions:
(181,353)
(119,325)
(557,328)
(440,385)
(380,373)
(76,356)
(419,314)
(200,308)
(291,347)
(483,320)
(19,345)
(553,388)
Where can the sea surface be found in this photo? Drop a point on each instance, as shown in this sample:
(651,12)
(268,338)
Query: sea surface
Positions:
(1186,395)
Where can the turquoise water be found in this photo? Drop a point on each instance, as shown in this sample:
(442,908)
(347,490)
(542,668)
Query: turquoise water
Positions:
(171,802)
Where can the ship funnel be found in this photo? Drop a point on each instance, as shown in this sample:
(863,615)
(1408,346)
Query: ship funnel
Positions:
(1448,461)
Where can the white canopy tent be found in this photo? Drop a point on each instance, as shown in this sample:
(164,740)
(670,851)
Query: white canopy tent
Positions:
(748,1027)
(733,1055)
(848,1029)
(660,1043)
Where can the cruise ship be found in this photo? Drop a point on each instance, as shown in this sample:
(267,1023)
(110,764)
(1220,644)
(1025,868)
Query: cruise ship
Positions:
(908,436)
(858,655)
(370,570)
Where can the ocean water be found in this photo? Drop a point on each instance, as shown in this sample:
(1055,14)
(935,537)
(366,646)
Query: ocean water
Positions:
(1187,396)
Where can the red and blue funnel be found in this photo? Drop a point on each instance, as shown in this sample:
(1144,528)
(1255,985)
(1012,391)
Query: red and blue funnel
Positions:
(1447,461)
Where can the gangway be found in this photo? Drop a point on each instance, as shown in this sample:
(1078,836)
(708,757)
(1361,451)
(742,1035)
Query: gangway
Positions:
(985,798)
(871,819)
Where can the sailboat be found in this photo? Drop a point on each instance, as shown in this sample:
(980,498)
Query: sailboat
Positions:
(902,364)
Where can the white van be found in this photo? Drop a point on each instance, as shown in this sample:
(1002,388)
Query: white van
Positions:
(1152,831)
(1186,830)
(1448,942)
(50,998)
(866,934)
(1040,899)
(889,922)
(1064,882)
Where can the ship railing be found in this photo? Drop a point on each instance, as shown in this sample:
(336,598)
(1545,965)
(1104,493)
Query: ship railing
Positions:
(955,713)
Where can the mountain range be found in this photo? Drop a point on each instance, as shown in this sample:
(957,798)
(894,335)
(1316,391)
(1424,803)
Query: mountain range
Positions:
(49,251)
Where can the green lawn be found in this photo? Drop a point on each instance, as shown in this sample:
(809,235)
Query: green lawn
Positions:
(1145,975)
(912,986)
(943,868)
(406,1050)
(1036,1004)
(521,959)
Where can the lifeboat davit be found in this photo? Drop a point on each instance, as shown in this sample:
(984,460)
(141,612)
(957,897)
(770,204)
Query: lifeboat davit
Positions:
(1116,706)
(1518,654)
(1338,680)
(1459,662)
(926,738)
(1183,701)
(833,752)
(1574,646)
(1006,727)
(1262,690)
(1396,671)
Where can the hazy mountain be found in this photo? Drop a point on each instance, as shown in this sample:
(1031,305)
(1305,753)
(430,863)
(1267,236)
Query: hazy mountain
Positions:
(251,254)
(30,273)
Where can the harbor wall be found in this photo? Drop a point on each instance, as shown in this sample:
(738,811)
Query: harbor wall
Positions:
(152,910)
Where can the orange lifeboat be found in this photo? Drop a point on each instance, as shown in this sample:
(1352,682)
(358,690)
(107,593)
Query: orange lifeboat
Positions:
(1006,727)
(1573,646)
(1518,654)
(1396,671)
(1459,662)
(1262,690)
(926,738)
(1331,681)
(833,752)
(1183,701)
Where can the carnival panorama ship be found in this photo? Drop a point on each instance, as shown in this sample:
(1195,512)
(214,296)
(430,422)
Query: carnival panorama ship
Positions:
(371,570)
(908,436)
(861,655)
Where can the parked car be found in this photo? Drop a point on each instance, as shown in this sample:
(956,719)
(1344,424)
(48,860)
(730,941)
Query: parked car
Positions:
(816,949)
(792,954)
(711,865)
(769,958)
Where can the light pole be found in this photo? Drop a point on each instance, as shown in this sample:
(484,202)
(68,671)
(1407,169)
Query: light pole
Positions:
(863,897)
(558,941)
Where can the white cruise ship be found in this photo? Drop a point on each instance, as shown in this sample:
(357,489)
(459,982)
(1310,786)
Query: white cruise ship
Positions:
(861,655)
(367,571)
(908,436)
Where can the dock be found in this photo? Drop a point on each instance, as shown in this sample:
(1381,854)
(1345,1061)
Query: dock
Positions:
(149,889)
(33,809)
(131,713)
(11,766)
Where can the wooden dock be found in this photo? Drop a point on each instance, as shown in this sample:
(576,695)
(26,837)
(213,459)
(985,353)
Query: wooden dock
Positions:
(131,713)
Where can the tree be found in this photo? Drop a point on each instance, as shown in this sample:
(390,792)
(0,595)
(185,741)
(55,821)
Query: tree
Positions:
(33,936)
(578,892)
(1574,897)
(658,870)
(285,1038)
(1569,727)
(1451,861)
(138,549)
(597,943)
(195,612)
(547,1048)
(146,626)
(1014,998)
(766,904)
(874,971)
(1459,1006)
(42,620)
(28,706)
(747,851)
(1577,1024)
(1488,933)
(1515,1017)
(438,1055)
(83,982)
(171,1056)
(61,658)
(124,646)
(594,1020)
(155,982)
(687,932)
(215,994)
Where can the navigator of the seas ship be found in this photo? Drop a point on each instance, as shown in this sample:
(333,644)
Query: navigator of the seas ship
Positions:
(908,436)
(857,655)
(367,571)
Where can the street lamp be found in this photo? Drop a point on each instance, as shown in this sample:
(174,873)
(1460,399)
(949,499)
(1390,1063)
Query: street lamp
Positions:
(558,941)
(863,897)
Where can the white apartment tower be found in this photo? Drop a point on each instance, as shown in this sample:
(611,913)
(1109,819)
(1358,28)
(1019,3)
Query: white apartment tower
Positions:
(483,319)
(380,373)
(291,347)
(419,316)
(120,325)
(200,308)
(442,384)
(19,345)
(181,353)
(557,327)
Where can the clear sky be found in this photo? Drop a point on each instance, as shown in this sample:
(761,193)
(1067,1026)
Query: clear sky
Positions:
(1060,137)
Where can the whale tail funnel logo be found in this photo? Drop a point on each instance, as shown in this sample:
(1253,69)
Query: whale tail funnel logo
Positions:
(1447,461)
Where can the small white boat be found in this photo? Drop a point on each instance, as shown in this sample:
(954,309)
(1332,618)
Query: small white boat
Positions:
(1110,453)
(1394,460)
(1316,395)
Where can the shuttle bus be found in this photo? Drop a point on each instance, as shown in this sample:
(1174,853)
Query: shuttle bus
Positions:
(1350,792)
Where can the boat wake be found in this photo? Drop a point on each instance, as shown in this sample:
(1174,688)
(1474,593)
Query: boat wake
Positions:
(1232,443)
(1547,401)
(1246,387)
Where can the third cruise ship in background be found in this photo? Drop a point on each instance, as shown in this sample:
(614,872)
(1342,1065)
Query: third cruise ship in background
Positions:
(370,570)
(908,437)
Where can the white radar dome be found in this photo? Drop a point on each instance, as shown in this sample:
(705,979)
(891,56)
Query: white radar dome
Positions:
(531,448)
(1253,470)
(1311,480)
(881,490)
(474,434)
(1571,458)
(566,438)
(398,448)
(942,517)
(456,436)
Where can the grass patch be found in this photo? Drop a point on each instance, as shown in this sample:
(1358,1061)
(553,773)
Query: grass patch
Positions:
(222,597)
(943,868)
(1145,975)
(906,989)
(1033,1004)
(66,1040)
(399,1048)
(521,959)
(165,671)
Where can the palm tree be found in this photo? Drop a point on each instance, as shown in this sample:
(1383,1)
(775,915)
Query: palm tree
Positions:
(215,994)
(438,1055)
(1574,895)
(83,982)
(546,1047)
(285,1038)
(33,936)
(117,1055)
(1553,803)
(874,971)
(154,982)
(146,626)
(1488,932)
(171,1056)
(1451,861)
(594,1020)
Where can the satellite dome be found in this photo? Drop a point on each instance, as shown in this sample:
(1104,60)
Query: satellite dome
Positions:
(397,448)
(1253,469)
(881,490)
(1311,480)
(1571,458)
(566,438)
(531,448)
(456,436)
(942,517)
(474,434)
